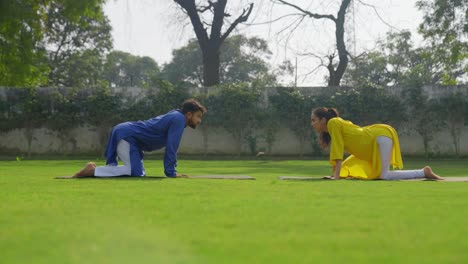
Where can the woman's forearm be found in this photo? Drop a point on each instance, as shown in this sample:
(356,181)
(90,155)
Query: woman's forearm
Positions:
(336,174)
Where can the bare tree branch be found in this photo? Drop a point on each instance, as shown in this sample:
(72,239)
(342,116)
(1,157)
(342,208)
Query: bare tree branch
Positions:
(272,21)
(378,15)
(339,20)
(206,24)
(313,15)
(294,29)
(313,55)
(365,53)
(320,65)
(218,20)
(242,18)
(311,72)
(190,7)
(293,24)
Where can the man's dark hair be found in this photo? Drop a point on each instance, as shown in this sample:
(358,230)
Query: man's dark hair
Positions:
(192,105)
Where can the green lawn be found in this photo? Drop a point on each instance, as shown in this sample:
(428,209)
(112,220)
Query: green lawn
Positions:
(43,220)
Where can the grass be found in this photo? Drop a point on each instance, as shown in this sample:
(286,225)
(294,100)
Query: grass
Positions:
(43,220)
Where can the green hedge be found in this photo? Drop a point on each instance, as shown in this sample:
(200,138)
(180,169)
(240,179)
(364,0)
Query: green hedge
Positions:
(250,113)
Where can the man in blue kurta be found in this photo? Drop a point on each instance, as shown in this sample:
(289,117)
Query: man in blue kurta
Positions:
(128,141)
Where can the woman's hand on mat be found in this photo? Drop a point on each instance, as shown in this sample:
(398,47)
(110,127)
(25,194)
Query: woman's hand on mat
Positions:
(331,178)
(181,175)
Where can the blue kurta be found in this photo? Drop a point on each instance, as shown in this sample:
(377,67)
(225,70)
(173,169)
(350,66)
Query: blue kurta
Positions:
(152,134)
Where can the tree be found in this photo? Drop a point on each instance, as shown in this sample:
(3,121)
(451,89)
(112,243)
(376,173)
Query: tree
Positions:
(74,38)
(24,32)
(335,71)
(398,49)
(123,69)
(186,65)
(81,69)
(405,61)
(210,45)
(22,57)
(424,66)
(395,62)
(445,26)
(368,68)
(242,60)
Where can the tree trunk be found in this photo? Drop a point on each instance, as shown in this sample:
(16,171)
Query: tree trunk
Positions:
(337,74)
(211,64)
(340,46)
(210,44)
(339,20)
(332,80)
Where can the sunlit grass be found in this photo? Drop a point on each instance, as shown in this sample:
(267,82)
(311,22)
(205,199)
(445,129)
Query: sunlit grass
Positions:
(43,220)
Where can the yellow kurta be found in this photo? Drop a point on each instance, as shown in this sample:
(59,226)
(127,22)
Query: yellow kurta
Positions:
(364,161)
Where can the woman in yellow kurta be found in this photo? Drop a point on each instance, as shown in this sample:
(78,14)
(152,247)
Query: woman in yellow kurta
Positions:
(373,149)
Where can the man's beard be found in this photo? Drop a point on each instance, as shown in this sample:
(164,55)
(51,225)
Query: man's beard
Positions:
(192,125)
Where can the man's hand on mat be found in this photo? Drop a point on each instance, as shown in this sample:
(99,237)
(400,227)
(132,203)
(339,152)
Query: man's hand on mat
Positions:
(181,175)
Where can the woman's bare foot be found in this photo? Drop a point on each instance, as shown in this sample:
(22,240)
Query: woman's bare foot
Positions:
(428,173)
(87,171)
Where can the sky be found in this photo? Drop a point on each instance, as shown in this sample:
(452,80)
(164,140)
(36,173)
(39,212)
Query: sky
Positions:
(156,27)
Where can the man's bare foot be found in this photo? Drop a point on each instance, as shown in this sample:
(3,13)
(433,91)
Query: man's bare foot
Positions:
(87,171)
(428,173)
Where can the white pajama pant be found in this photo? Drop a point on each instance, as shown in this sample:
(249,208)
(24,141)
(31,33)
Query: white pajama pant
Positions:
(123,153)
(385,149)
